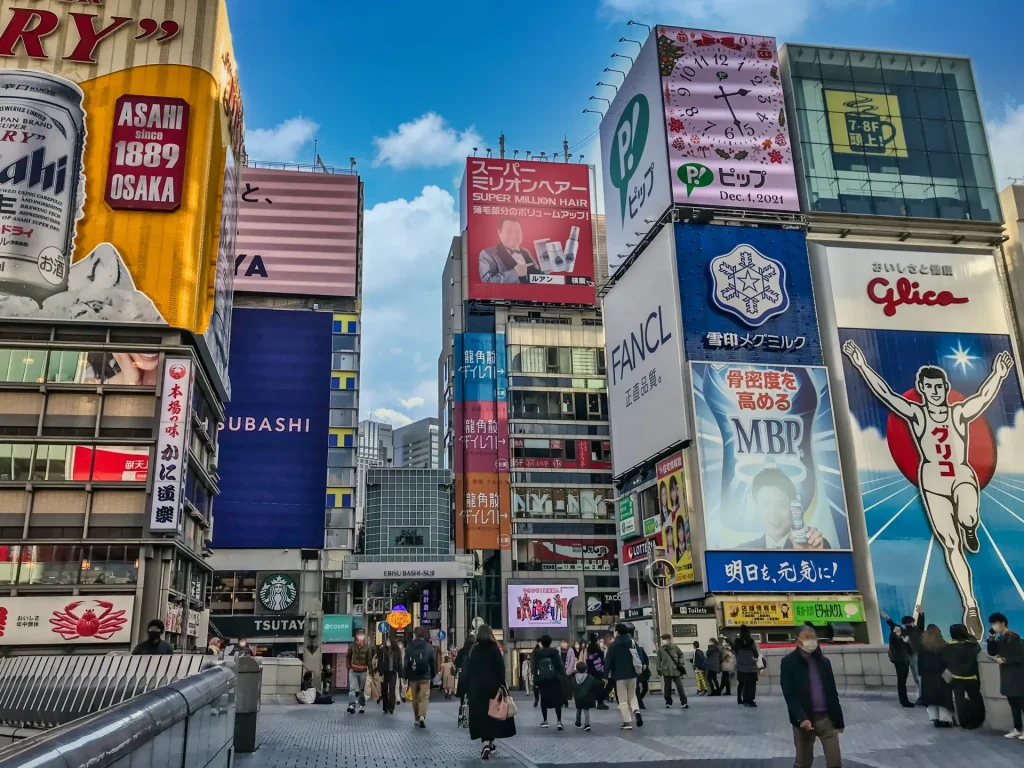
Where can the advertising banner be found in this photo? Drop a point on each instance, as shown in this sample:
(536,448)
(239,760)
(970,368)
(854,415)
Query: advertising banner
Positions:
(172,446)
(337,629)
(530,232)
(127,129)
(675,517)
(780,571)
(642,550)
(643,338)
(45,620)
(298,232)
(575,554)
(273,442)
(775,613)
(769,463)
(728,141)
(746,295)
(483,499)
(627,518)
(634,158)
(820,613)
(538,606)
(935,410)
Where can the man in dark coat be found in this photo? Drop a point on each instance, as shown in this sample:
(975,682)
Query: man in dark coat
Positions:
(549,675)
(154,644)
(485,676)
(621,667)
(1008,649)
(813,701)
(901,654)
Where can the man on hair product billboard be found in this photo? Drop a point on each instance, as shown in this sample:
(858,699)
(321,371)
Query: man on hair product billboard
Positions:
(935,408)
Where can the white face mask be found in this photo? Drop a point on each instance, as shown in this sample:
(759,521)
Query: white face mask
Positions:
(809,645)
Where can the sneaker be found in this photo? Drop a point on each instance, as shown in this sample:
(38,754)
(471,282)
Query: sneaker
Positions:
(362,710)
(668,705)
(973,621)
(586,728)
(971,543)
(351,709)
(686,706)
(544,724)
(626,727)
(1014,734)
(579,725)
(560,727)
(423,722)
(639,719)
(1021,737)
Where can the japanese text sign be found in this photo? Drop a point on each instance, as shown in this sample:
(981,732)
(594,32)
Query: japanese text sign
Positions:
(780,571)
(172,446)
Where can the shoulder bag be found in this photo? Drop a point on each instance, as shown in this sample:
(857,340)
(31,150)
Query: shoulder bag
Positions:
(498,706)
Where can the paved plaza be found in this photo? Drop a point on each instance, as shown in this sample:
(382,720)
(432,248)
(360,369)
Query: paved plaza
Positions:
(713,733)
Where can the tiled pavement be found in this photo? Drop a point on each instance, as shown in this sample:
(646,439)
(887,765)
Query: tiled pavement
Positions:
(713,733)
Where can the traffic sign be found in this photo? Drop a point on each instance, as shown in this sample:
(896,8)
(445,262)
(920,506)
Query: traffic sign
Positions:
(383,627)
(441,634)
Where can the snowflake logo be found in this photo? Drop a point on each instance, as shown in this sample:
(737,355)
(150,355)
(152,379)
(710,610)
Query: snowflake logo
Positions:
(749,285)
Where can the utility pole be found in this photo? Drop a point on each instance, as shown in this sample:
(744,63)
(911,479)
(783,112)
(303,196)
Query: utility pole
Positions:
(501,146)
(565,148)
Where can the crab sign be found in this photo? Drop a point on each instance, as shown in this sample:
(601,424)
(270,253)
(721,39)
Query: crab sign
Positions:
(72,626)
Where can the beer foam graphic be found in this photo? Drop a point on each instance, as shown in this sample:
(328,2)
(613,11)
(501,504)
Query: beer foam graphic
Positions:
(100,287)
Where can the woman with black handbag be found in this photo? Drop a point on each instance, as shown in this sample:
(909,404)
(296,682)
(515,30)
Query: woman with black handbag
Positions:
(484,673)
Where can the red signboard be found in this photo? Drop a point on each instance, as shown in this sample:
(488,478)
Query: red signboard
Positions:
(146,171)
(530,236)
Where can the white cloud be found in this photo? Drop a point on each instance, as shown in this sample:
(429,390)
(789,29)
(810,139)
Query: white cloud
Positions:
(1006,135)
(426,142)
(412,402)
(786,16)
(872,449)
(282,143)
(391,417)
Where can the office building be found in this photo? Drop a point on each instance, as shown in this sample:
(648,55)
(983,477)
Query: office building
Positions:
(418,445)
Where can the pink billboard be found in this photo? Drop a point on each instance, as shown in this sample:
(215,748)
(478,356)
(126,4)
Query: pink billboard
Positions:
(298,232)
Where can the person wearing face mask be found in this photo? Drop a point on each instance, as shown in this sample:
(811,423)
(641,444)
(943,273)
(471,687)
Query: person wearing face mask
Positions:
(154,644)
(241,648)
(809,687)
(671,668)
(1006,647)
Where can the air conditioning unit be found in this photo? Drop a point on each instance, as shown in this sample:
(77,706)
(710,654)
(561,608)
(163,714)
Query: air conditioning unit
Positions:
(357,609)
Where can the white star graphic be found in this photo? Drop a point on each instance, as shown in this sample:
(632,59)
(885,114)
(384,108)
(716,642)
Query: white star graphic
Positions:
(748,281)
(962,358)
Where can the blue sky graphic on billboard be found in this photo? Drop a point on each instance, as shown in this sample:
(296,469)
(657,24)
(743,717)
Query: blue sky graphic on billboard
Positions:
(273,447)
(986,485)
(746,295)
(780,571)
(769,464)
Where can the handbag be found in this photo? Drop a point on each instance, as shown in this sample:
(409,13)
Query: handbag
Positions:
(512,708)
(947,676)
(498,706)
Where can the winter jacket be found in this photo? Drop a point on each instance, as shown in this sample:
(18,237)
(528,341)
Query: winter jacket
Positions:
(619,661)
(585,690)
(423,651)
(698,659)
(551,694)
(389,660)
(359,657)
(595,664)
(747,654)
(713,660)
(796,687)
(961,657)
(900,650)
(728,659)
(148,648)
(1011,672)
(485,674)
(670,661)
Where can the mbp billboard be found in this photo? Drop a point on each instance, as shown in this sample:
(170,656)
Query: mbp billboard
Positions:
(273,443)
(643,337)
(746,295)
(529,230)
(700,120)
(935,413)
(298,232)
(122,125)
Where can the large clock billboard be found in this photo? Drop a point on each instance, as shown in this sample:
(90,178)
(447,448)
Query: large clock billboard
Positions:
(700,120)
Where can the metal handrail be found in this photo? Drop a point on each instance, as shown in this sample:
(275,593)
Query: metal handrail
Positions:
(106,737)
(304,167)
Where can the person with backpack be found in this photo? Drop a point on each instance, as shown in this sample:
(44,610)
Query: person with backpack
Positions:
(585,691)
(420,668)
(671,668)
(623,668)
(698,669)
(549,681)
(595,668)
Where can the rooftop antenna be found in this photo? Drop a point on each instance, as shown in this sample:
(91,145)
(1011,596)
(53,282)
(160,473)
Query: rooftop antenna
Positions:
(501,145)
(565,148)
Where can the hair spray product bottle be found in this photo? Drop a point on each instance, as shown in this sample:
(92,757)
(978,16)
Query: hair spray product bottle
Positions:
(571,247)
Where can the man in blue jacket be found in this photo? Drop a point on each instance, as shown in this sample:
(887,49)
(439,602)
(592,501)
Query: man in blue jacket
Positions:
(813,701)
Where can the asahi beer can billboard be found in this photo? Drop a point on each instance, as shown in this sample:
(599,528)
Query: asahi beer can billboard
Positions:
(117,175)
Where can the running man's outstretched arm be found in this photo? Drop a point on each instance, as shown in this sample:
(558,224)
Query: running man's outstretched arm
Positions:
(895,403)
(975,405)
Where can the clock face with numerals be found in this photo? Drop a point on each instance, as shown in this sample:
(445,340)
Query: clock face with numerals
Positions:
(726,120)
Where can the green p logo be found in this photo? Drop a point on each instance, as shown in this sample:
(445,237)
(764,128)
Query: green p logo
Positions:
(695,175)
(628,146)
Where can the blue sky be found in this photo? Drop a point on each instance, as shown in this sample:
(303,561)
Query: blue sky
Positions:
(408,88)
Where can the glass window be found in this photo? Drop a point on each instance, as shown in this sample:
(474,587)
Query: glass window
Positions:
(22,365)
(342,398)
(534,360)
(345,361)
(584,361)
(111,564)
(343,417)
(341,457)
(339,538)
(345,343)
(337,476)
(514,358)
(564,360)
(15,461)
(74,367)
(56,565)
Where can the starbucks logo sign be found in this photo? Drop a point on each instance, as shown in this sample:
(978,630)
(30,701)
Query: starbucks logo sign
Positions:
(278,592)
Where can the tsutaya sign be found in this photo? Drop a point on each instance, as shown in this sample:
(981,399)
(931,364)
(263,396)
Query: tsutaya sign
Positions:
(426,570)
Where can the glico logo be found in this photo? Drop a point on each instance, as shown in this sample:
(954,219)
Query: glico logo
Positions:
(628,147)
(649,337)
(907,293)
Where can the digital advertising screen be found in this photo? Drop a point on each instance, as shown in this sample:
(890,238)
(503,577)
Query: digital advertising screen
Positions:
(540,606)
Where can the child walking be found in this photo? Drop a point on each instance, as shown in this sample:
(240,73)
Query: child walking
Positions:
(698,665)
(586,689)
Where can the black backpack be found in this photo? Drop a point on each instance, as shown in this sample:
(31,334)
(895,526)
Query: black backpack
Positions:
(420,658)
(546,670)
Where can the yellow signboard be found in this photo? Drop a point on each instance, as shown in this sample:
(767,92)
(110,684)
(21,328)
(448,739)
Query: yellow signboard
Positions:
(762,613)
(865,123)
(399,619)
(122,131)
